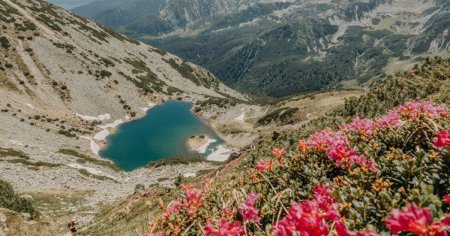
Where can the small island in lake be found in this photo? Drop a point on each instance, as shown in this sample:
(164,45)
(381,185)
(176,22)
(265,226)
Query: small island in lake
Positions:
(199,143)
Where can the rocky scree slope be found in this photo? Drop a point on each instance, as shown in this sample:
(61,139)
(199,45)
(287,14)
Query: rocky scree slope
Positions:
(280,48)
(63,79)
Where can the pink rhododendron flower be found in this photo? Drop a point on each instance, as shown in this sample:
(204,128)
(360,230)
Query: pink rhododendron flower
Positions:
(304,219)
(364,162)
(447,198)
(278,152)
(440,228)
(172,208)
(320,141)
(340,153)
(442,139)
(446,221)
(310,217)
(226,228)
(228,214)
(209,229)
(303,146)
(413,110)
(341,230)
(326,202)
(248,210)
(360,126)
(264,166)
(392,119)
(416,220)
(193,199)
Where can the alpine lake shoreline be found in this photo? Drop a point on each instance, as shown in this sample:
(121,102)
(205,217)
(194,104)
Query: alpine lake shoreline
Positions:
(199,144)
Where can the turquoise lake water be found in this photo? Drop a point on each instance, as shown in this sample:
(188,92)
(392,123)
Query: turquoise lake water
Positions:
(161,134)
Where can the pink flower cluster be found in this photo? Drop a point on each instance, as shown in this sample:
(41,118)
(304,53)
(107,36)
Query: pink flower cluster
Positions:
(226,228)
(447,198)
(322,140)
(315,217)
(364,162)
(193,199)
(417,220)
(263,166)
(311,217)
(442,139)
(172,208)
(248,210)
(392,119)
(279,153)
(364,127)
(413,110)
(336,146)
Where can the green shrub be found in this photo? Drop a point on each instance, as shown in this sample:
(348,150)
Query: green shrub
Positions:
(4,42)
(105,73)
(175,161)
(10,200)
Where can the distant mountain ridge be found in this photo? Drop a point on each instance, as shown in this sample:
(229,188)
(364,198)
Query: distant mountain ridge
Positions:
(70,4)
(280,48)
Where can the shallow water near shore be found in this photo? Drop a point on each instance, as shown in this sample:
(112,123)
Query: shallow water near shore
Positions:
(161,134)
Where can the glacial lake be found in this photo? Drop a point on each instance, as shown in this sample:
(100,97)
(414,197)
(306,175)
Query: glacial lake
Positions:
(161,134)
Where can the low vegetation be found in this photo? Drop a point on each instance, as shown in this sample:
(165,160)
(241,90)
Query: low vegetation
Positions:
(34,165)
(97,177)
(4,42)
(175,161)
(219,102)
(83,158)
(188,72)
(147,80)
(282,115)
(9,152)
(10,200)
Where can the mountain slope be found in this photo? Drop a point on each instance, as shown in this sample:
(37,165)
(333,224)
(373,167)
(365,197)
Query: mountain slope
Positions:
(47,40)
(64,83)
(70,4)
(281,48)
(410,169)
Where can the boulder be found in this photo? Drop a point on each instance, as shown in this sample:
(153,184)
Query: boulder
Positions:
(139,188)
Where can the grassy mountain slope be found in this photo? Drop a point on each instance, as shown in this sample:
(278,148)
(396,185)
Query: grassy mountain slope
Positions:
(411,167)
